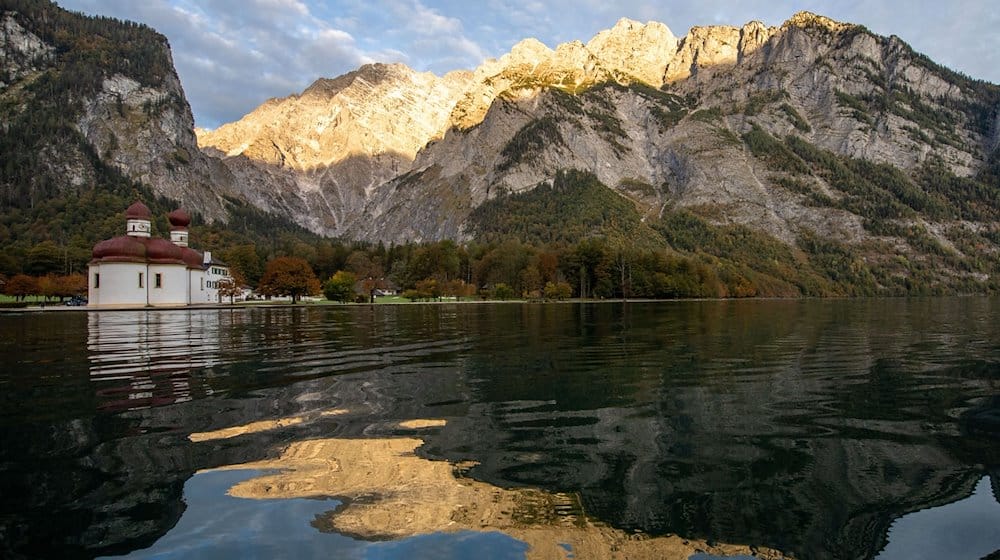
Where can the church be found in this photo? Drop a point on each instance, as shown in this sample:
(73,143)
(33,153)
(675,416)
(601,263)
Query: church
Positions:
(137,270)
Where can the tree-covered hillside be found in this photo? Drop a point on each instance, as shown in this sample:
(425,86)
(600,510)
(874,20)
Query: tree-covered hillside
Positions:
(741,261)
(40,142)
(862,169)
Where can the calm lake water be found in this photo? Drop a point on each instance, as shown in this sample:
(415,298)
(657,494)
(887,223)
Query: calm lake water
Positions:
(812,429)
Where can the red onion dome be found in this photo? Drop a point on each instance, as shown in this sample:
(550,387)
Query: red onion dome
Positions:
(179,219)
(124,248)
(161,251)
(138,211)
(192,258)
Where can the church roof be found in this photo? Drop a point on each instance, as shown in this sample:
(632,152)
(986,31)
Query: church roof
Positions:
(161,251)
(192,258)
(120,249)
(143,250)
(127,248)
(138,211)
(179,219)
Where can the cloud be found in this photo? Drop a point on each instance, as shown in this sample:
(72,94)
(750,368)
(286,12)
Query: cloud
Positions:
(425,21)
(234,54)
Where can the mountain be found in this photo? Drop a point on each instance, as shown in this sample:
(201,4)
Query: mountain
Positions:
(83,93)
(330,147)
(814,157)
(92,116)
(822,137)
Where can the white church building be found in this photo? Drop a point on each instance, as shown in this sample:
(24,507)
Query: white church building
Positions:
(137,270)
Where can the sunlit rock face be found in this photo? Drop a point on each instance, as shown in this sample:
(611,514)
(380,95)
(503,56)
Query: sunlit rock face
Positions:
(634,49)
(377,109)
(316,156)
(388,154)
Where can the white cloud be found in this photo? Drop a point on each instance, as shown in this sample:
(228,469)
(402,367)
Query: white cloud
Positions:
(425,21)
(234,54)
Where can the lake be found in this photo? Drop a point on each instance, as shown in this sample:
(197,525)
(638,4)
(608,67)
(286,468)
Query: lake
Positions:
(695,429)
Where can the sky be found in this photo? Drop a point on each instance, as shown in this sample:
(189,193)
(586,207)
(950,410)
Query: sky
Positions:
(232,55)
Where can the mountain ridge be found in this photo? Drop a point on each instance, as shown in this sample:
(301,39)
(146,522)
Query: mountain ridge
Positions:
(531,67)
(779,129)
(811,130)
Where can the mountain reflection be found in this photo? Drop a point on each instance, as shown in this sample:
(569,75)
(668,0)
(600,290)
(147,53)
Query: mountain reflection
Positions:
(801,426)
(390,493)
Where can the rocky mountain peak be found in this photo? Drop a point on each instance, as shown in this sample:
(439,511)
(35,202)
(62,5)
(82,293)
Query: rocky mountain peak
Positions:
(374,73)
(636,49)
(753,35)
(808,19)
(377,109)
(529,51)
(716,46)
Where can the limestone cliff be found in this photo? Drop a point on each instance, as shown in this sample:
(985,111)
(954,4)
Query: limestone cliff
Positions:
(387,154)
(148,133)
(329,147)
(23,53)
(84,100)
(799,79)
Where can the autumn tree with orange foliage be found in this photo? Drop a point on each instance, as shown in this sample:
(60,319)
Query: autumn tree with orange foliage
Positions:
(21,286)
(289,276)
(71,285)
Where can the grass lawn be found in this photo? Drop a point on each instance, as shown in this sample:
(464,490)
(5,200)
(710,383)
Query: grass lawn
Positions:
(401,299)
(29,299)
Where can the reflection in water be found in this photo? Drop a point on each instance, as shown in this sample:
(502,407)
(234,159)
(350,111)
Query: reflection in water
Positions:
(142,359)
(969,528)
(390,493)
(252,428)
(801,426)
(220,527)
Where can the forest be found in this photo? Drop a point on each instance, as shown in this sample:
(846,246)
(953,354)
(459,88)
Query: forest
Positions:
(571,238)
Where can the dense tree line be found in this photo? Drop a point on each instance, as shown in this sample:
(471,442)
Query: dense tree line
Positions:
(49,287)
(575,205)
(572,238)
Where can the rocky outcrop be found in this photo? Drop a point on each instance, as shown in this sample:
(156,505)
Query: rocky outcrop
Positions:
(112,106)
(22,51)
(636,50)
(148,133)
(628,52)
(385,153)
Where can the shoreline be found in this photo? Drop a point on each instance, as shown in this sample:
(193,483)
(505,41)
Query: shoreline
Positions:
(55,307)
(288,305)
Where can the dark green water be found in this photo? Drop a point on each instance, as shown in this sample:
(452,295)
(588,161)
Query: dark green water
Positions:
(823,429)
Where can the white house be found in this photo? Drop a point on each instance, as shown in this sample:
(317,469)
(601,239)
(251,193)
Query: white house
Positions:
(138,270)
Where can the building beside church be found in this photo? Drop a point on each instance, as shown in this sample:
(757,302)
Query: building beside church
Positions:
(139,270)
